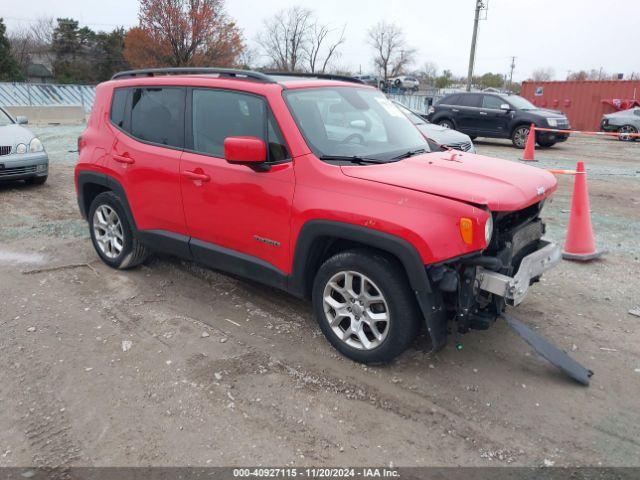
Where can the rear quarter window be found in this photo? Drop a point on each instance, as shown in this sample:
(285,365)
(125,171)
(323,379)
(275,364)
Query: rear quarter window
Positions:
(450,100)
(118,105)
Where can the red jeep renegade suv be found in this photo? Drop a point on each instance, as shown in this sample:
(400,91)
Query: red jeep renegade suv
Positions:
(318,186)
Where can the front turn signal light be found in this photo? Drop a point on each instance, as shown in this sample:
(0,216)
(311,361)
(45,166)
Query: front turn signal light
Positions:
(466,230)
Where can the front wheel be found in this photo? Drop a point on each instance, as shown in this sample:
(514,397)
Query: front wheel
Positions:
(364,306)
(546,144)
(519,136)
(625,133)
(36,180)
(112,235)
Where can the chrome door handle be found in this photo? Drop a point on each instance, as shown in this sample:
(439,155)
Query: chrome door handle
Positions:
(483,113)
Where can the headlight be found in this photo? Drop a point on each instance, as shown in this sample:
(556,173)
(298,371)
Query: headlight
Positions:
(35,145)
(21,148)
(488,229)
(553,122)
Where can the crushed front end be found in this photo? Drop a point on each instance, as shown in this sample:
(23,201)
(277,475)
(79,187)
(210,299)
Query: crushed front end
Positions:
(474,290)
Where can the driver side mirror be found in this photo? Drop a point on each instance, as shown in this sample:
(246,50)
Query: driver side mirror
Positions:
(251,150)
(506,107)
(22,120)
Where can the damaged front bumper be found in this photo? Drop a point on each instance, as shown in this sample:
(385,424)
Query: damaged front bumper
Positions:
(514,289)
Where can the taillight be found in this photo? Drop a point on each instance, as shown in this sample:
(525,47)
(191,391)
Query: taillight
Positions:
(81,143)
(431,110)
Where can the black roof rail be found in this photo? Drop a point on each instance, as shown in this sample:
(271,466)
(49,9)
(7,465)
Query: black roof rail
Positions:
(323,76)
(226,72)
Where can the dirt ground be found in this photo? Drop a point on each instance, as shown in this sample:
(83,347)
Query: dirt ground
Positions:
(219,371)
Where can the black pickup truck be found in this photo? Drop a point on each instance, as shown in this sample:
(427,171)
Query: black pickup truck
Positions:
(495,115)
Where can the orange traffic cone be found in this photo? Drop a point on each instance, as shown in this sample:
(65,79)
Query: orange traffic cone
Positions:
(530,147)
(580,244)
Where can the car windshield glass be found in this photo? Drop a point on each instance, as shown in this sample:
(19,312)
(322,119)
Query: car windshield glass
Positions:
(520,103)
(353,122)
(415,119)
(5,119)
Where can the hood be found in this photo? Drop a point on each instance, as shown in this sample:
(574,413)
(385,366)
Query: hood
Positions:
(546,113)
(442,135)
(15,134)
(501,185)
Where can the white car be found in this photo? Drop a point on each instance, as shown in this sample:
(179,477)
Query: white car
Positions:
(405,82)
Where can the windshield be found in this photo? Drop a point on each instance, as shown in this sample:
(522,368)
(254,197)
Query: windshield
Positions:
(520,103)
(5,119)
(353,122)
(415,119)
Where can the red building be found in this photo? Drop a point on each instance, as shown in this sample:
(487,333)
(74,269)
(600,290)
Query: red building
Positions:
(584,101)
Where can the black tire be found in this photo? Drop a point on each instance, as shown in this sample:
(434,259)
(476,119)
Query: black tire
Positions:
(133,252)
(397,83)
(446,123)
(36,180)
(390,279)
(626,129)
(547,144)
(519,136)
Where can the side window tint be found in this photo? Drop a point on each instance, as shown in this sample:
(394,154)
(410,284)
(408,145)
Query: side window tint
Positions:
(470,100)
(277,146)
(490,101)
(118,104)
(158,115)
(451,100)
(219,114)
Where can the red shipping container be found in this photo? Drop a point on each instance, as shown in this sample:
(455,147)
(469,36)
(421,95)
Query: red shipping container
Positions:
(583,101)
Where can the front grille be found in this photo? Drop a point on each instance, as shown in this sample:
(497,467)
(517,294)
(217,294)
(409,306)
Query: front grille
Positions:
(6,172)
(5,150)
(463,146)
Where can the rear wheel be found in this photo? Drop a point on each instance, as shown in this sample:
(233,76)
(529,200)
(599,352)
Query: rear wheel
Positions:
(112,235)
(519,136)
(364,306)
(625,131)
(446,124)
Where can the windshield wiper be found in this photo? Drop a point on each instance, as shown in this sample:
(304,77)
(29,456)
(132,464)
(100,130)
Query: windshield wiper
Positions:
(352,159)
(410,153)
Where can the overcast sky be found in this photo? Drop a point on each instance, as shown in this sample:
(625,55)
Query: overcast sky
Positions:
(566,35)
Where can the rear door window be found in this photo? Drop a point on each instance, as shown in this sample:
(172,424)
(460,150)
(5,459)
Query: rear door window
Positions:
(157,115)
(451,100)
(470,100)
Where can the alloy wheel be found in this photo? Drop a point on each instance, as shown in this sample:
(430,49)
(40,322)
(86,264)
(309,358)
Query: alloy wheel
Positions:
(356,310)
(624,131)
(520,137)
(107,229)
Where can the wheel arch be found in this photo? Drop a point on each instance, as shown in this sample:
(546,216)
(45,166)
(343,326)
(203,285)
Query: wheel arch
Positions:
(91,184)
(319,239)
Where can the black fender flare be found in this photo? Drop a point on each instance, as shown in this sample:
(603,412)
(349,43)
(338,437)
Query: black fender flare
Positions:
(108,182)
(430,301)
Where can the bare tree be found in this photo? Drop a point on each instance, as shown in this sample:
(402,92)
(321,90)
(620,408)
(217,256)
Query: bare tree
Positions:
(393,54)
(318,57)
(285,37)
(542,74)
(32,44)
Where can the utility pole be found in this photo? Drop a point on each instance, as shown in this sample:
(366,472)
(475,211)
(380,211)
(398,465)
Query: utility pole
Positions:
(480,5)
(513,66)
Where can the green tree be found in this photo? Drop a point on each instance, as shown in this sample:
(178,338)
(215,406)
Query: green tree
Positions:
(108,54)
(487,80)
(9,68)
(72,47)
(444,80)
